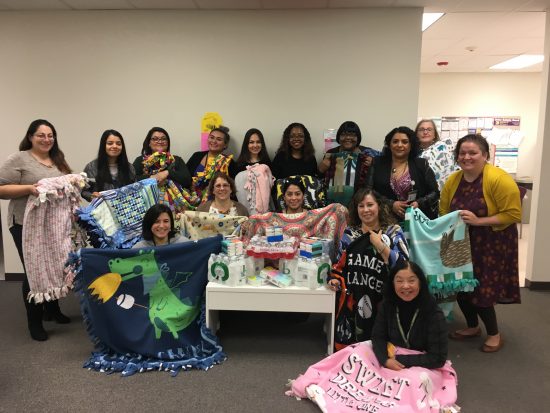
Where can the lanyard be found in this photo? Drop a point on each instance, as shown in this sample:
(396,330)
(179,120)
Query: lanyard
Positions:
(406,338)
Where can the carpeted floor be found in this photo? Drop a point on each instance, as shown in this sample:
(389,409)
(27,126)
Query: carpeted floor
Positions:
(264,351)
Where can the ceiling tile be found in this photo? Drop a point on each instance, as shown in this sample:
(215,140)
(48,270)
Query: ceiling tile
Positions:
(292,4)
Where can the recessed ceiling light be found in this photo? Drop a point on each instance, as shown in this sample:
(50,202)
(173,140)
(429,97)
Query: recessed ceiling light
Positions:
(430,18)
(519,62)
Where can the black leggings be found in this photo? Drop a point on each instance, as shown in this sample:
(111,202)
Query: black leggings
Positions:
(471,313)
(34,311)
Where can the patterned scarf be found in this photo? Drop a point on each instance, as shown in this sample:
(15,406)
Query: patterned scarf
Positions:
(170,193)
(202,179)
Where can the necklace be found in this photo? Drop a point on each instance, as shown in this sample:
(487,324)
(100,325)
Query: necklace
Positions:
(401,170)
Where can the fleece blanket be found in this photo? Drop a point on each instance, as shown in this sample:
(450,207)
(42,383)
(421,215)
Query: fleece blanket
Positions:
(442,248)
(314,197)
(144,307)
(199,225)
(352,380)
(113,220)
(328,222)
(48,229)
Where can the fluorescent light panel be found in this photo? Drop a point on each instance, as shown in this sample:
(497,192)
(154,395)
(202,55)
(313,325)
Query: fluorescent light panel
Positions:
(519,62)
(430,18)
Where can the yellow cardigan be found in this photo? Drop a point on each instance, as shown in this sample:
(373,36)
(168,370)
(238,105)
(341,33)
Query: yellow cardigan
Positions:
(500,191)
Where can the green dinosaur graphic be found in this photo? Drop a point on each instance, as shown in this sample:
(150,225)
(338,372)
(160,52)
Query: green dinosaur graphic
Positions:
(167,312)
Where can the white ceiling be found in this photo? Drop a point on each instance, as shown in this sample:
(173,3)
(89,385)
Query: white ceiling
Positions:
(473,34)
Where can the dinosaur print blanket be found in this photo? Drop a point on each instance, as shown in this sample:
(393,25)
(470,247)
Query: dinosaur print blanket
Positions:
(144,307)
(352,380)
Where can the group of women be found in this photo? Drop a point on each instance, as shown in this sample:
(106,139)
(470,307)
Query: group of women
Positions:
(414,166)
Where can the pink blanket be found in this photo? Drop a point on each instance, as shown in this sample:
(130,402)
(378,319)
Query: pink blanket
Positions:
(352,380)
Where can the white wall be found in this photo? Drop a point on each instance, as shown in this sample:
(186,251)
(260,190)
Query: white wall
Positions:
(486,94)
(90,71)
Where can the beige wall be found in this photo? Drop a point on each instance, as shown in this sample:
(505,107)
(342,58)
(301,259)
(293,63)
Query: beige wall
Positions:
(487,94)
(90,71)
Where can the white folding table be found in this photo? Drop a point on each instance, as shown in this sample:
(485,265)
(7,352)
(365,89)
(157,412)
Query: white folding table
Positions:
(270,298)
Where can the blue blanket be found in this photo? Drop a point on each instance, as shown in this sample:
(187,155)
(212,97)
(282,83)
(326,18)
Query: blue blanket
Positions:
(442,248)
(144,308)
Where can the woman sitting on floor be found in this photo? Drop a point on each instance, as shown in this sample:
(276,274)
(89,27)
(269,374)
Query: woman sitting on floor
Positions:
(409,318)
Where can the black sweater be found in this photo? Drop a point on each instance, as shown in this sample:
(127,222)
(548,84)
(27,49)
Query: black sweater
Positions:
(378,178)
(283,167)
(428,333)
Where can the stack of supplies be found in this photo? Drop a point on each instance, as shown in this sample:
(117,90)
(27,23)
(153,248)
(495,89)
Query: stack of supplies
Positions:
(275,277)
(310,248)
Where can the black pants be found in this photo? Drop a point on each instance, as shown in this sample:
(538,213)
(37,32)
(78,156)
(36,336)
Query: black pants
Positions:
(471,313)
(34,311)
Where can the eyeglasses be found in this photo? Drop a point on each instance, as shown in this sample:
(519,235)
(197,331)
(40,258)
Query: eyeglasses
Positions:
(220,186)
(297,136)
(157,139)
(43,137)
(348,136)
(422,130)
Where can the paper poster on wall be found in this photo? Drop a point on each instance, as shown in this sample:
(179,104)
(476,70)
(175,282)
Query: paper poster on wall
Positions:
(329,138)
(210,120)
(506,157)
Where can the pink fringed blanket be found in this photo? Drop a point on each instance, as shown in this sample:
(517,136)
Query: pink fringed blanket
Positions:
(328,222)
(48,227)
(351,380)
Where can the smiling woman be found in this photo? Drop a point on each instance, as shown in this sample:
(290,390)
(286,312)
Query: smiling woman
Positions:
(296,155)
(401,177)
(369,247)
(111,168)
(221,190)
(158,228)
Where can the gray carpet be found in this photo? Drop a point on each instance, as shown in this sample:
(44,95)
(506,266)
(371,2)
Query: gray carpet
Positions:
(264,351)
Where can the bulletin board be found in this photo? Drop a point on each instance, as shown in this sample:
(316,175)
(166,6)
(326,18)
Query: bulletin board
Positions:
(502,132)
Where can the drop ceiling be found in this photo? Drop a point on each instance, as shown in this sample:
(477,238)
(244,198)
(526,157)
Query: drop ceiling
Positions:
(470,37)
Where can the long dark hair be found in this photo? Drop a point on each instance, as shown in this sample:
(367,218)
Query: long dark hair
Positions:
(308,151)
(413,140)
(244,157)
(385,217)
(151,216)
(56,154)
(424,297)
(146,149)
(103,174)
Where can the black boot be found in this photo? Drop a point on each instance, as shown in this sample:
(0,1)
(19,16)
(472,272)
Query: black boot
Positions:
(34,320)
(53,312)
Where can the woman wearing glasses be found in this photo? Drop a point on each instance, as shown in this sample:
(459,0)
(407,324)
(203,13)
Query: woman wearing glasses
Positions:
(158,141)
(111,168)
(221,190)
(296,155)
(437,152)
(39,157)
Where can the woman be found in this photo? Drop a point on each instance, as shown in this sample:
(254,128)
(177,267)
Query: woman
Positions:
(296,155)
(401,177)
(221,188)
(410,318)
(204,164)
(158,228)
(39,157)
(345,167)
(438,153)
(170,171)
(111,168)
(371,245)
(293,196)
(158,140)
(489,201)
(253,151)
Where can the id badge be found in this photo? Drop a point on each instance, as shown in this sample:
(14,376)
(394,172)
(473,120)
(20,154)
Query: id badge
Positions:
(412,196)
